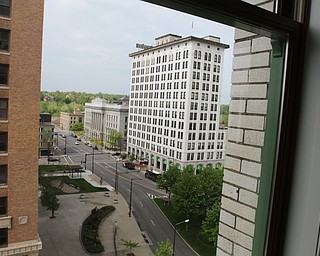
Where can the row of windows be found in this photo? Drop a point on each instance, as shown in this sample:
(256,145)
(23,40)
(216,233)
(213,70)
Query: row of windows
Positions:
(177,56)
(206,66)
(158,69)
(167,96)
(174,76)
(157,86)
(200,156)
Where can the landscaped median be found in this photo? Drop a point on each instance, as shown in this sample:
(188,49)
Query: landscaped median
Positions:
(190,233)
(89,231)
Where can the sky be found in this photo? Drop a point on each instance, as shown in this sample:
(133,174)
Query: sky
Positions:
(86,43)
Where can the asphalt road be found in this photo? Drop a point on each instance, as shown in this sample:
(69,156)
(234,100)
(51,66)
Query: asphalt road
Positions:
(148,216)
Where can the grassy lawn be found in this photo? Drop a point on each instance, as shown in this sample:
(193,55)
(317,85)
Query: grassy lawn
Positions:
(84,186)
(192,234)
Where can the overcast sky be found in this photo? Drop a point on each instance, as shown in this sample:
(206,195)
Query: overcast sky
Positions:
(87,42)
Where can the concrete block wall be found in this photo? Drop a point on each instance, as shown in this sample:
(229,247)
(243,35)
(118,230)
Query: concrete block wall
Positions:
(247,122)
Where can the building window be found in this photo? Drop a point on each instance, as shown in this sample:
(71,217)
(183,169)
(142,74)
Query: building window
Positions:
(3,174)
(4,40)
(5,8)
(3,237)
(3,205)
(4,70)
(3,142)
(3,109)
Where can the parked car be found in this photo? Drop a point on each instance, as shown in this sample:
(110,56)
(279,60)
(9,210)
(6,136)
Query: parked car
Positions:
(76,142)
(129,165)
(52,159)
(78,139)
(63,136)
(116,154)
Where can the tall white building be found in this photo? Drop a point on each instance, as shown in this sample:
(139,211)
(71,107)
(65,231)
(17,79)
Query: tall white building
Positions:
(175,102)
(102,117)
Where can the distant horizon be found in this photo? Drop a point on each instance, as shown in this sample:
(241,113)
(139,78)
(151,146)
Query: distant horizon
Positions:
(92,54)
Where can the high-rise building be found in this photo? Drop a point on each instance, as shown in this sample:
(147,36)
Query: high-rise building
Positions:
(175,102)
(21,24)
(101,118)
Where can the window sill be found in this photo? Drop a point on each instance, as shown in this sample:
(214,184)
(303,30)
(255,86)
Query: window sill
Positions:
(5,53)
(4,185)
(5,18)
(5,221)
(3,153)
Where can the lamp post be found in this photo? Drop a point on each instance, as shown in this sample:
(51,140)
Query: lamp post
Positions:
(116,178)
(65,145)
(131,194)
(175,231)
(92,164)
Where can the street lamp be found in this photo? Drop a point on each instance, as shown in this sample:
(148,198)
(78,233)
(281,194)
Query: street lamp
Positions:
(131,194)
(65,145)
(92,164)
(175,231)
(116,178)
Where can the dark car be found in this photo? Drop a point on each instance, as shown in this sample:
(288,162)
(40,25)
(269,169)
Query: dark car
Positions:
(52,159)
(116,154)
(129,165)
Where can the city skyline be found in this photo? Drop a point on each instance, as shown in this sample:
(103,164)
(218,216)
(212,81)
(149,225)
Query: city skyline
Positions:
(102,63)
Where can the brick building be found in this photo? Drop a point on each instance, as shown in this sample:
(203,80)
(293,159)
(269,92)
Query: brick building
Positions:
(21,24)
(68,119)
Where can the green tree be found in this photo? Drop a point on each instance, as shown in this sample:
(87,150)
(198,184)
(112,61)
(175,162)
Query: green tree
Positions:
(210,188)
(114,138)
(123,156)
(77,127)
(168,179)
(193,194)
(130,244)
(165,248)
(49,199)
(210,226)
(186,194)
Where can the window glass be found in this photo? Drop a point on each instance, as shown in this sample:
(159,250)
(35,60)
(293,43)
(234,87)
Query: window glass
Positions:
(3,205)
(3,109)
(3,237)
(5,8)
(4,40)
(3,174)
(4,69)
(3,142)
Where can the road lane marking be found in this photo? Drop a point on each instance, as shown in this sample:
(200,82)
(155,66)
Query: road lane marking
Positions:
(153,223)
(70,160)
(141,204)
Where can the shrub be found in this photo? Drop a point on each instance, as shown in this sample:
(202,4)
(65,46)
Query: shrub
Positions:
(89,231)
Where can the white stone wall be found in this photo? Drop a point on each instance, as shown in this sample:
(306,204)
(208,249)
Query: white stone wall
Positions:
(246,132)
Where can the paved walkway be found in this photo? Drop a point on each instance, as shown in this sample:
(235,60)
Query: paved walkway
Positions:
(60,236)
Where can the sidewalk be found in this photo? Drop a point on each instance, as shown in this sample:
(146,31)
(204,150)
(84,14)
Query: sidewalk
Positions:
(60,236)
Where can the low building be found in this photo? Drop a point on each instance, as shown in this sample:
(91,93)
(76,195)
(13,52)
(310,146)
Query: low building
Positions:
(102,117)
(67,119)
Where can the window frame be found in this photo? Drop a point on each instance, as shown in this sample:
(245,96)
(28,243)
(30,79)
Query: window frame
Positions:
(282,27)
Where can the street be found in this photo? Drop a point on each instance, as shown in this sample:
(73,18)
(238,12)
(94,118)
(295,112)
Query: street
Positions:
(149,218)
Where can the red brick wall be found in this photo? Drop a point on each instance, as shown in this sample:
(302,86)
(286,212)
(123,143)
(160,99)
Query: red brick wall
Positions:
(23,122)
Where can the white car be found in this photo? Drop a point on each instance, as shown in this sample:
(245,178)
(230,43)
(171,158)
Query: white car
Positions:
(76,142)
